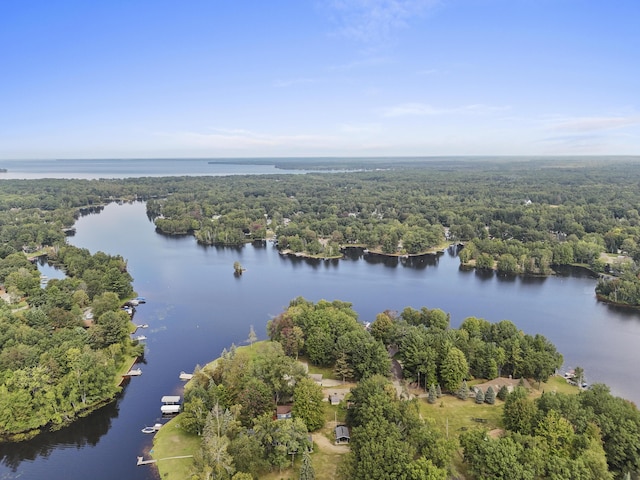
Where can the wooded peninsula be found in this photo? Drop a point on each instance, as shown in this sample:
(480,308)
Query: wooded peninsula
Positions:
(63,344)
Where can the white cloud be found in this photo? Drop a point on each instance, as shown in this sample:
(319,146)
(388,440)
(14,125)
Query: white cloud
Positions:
(422,109)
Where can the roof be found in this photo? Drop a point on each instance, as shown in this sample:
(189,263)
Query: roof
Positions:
(342,431)
(170,399)
(283,409)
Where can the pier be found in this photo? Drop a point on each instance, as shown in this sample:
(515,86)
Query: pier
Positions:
(142,461)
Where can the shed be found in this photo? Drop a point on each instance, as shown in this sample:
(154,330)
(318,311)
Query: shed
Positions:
(342,434)
(283,412)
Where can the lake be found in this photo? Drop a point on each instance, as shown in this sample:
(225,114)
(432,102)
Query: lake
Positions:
(196,307)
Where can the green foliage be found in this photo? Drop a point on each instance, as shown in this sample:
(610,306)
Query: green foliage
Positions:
(463,392)
(480,397)
(503,393)
(308,404)
(490,396)
(432,396)
(454,369)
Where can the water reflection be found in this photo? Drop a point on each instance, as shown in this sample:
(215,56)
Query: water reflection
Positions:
(376,259)
(421,262)
(484,275)
(82,432)
(533,280)
(506,277)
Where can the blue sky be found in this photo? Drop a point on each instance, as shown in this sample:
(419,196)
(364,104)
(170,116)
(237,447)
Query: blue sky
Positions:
(238,78)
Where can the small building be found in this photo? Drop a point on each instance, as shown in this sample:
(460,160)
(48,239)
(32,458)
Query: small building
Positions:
(283,412)
(342,434)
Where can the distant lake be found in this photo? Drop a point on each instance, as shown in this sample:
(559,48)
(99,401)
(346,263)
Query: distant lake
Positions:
(196,307)
(94,169)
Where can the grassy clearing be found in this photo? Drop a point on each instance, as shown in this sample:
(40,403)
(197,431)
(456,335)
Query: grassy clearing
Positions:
(172,441)
(453,416)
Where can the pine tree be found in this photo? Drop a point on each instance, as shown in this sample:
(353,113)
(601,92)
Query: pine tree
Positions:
(438,391)
(503,393)
(432,394)
(479,396)
(490,396)
(306,471)
(463,391)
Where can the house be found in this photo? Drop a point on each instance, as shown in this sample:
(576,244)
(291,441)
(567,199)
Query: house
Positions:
(283,412)
(342,434)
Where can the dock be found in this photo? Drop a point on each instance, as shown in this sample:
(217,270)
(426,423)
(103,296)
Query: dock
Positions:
(141,460)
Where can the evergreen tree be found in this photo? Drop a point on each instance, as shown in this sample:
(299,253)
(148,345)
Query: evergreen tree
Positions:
(463,391)
(503,393)
(479,396)
(306,471)
(490,396)
(432,394)
(438,391)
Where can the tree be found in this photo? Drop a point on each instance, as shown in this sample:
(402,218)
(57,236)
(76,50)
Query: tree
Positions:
(252,336)
(479,396)
(463,391)
(490,396)
(237,268)
(503,393)
(308,404)
(432,397)
(342,369)
(519,412)
(453,369)
(306,471)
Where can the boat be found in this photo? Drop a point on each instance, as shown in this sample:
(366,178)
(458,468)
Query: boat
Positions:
(141,338)
(186,376)
(134,372)
(153,429)
(141,300)
(144,325)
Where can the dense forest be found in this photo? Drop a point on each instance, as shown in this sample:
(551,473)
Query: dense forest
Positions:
(232,403)
(516,217)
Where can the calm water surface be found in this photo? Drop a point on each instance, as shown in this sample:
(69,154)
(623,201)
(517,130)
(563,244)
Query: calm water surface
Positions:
(196,307)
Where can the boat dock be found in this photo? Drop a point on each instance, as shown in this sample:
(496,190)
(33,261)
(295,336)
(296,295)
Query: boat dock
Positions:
(170,404)
(142,461)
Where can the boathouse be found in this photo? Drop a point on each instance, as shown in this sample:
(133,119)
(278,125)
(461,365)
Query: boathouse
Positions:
(170,404)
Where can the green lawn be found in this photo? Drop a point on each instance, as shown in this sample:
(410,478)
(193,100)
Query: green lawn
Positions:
(171,441)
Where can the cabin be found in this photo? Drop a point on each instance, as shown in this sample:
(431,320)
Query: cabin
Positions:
(170,404)
(342,434)
(283,412)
